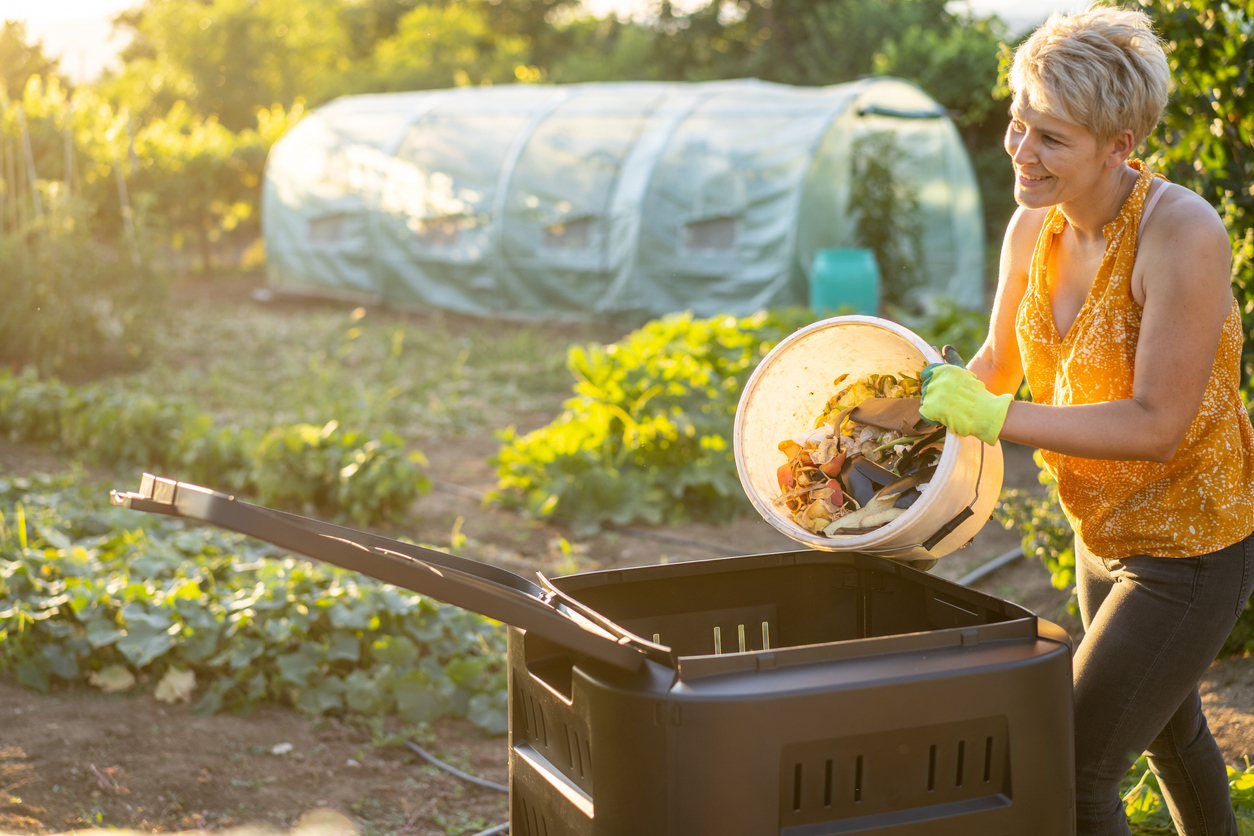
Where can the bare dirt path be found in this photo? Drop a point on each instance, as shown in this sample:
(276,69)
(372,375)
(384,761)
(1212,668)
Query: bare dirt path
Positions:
(77,758)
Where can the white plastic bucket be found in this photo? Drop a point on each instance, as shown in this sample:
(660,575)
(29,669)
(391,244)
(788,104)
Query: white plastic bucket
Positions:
(790,387)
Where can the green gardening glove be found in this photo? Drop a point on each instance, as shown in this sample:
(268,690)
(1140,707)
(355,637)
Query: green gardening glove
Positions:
(956,398)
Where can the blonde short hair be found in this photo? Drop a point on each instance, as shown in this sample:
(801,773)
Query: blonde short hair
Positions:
(1103,69)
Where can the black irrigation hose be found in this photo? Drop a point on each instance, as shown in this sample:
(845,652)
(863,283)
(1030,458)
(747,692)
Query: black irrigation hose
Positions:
(990,567)
(500,829)
(452,770)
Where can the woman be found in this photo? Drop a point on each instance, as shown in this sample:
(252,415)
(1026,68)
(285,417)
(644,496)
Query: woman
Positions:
(1114,300)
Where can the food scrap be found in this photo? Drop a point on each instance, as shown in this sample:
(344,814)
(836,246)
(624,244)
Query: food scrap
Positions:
(868,459)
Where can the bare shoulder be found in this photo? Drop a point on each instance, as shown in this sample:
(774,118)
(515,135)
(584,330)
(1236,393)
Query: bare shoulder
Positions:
(1021,235)
(1025,227)
(1184,223)
(1184,247)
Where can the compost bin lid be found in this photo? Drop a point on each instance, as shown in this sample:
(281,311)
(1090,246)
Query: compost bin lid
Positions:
(479,587)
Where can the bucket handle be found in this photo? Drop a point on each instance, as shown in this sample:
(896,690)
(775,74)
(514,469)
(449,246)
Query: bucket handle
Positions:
(962,516)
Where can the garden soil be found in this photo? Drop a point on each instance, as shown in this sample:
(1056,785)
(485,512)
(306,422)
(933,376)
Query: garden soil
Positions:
(76,758)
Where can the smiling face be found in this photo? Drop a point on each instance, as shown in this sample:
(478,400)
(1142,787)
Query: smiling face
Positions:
(1055,161)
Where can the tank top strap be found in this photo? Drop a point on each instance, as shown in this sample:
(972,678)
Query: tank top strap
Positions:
(1149,207)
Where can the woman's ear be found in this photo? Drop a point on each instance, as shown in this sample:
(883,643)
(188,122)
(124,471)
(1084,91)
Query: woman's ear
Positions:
(1119,147)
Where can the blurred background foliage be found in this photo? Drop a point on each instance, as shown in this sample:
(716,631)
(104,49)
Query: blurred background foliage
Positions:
(155,169)
(205,87)
(160,160)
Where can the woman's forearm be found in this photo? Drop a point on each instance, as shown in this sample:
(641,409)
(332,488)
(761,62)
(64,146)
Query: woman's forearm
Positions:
(999,379)
(1121,430)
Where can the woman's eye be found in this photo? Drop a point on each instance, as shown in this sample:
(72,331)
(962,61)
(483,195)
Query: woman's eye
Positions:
(1016,126)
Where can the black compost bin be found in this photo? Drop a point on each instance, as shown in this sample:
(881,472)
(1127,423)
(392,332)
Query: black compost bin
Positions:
(801,694)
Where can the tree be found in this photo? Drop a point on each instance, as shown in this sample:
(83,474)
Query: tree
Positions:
(598,49)
(453,45)
(20,59)
(226,58)
(959,66)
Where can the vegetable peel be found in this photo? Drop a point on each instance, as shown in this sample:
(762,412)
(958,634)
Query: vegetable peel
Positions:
(866,461)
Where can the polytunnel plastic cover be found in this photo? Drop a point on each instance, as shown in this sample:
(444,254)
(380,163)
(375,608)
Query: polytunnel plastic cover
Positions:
(628,199)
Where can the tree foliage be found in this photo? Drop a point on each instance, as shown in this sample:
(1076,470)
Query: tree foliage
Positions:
(227,58)
(20,59)
(189,181)
(447,46)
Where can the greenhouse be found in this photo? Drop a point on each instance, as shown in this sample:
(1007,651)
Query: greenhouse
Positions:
(624,200)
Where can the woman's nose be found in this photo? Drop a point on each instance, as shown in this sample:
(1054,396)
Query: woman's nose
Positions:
(1022,150)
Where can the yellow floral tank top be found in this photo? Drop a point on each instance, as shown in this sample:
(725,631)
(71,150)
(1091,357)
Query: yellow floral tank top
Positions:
(1200,501)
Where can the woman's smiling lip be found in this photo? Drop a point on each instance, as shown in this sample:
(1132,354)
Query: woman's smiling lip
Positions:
(1031,179)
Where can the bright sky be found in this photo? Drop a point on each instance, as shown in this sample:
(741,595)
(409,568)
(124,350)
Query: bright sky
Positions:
(80,33)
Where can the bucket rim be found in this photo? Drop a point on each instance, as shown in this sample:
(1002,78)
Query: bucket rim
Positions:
(882,540)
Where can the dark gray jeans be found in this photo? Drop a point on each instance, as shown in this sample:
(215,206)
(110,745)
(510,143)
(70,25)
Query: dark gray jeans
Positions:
(1152,627)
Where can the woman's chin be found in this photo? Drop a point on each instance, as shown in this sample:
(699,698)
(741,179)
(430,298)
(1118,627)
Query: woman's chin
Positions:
(1032,198)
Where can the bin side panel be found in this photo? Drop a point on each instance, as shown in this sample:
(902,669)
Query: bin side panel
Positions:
(1005,714)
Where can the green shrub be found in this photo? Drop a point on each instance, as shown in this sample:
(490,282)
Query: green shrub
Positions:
(300,466)
(68,309)
(83,588)
(367,479)
(1047,535)
(947,324)
(648,435)
(1147,811)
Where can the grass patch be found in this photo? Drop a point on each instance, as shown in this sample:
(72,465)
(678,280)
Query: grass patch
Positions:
(421,377)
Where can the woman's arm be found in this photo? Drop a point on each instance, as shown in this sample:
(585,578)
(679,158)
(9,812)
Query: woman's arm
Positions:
(997,364)
(1186,280)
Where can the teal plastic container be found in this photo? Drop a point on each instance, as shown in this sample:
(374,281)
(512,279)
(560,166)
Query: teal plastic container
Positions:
(845,280)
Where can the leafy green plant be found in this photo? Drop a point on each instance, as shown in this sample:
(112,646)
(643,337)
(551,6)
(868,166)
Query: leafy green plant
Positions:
(946,324)
(887,212)
(1047,535)
(85,590)
(647,436)
(304,466)
(188,178)
(328,469)
(1147,811)
(68,307)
